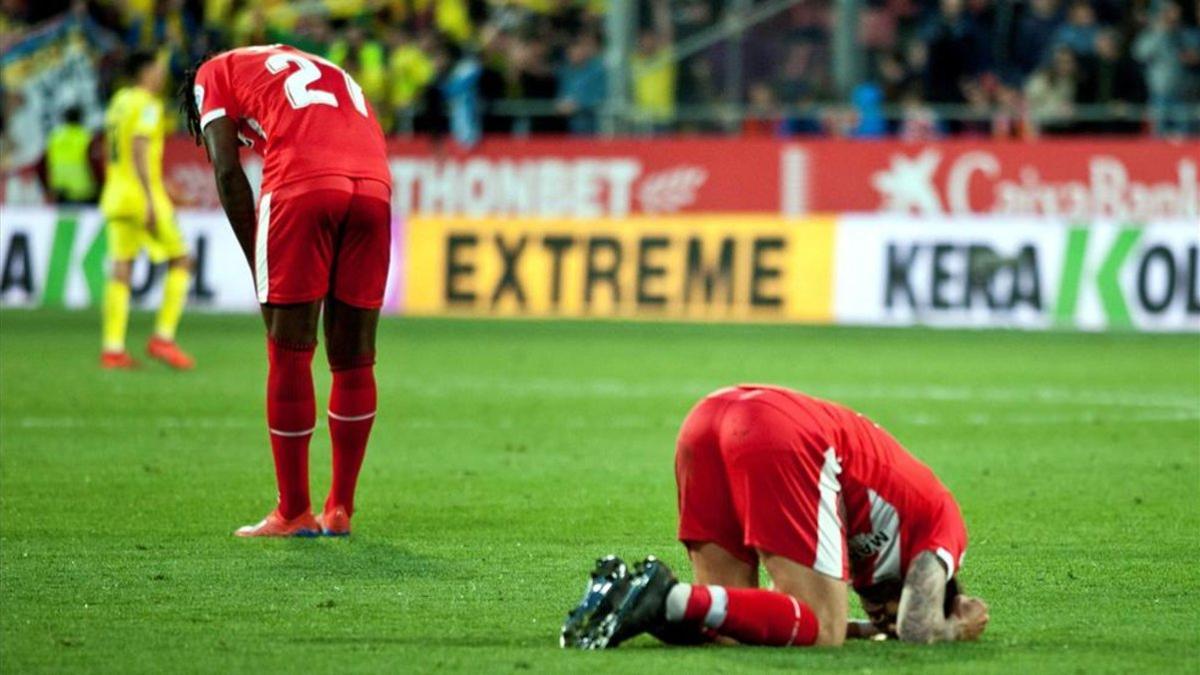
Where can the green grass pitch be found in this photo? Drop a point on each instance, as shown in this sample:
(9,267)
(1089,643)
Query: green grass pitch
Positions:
(507,455)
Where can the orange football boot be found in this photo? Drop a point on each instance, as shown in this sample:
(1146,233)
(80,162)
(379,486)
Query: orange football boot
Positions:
(335,523)
(275,525)
(117,361)
(169,353)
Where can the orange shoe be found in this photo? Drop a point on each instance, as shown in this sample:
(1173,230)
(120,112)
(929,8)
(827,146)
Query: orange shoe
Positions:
(169,353)
(335,523)
(117,361)
(275,525)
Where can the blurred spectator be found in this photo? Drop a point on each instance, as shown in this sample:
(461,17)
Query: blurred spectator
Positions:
(460,89)
(895,77)
(652,71)
(1167,52)
(535,79)
(432,112)
(68,161)
(692,16)
(453,19)
(410,70)
(582,85)
(1035,30)
(801,75)
(1009,115)
(1050,93)
(956,49)
(364,59)
(1079,32)
(494,77)
(764,116)
(918,122)
(1114,80)
(698,90)
(868,108)
(978,94)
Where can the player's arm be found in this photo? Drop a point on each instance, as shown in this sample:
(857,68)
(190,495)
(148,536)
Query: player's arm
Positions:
(221,140)
(921,618)
(141,166)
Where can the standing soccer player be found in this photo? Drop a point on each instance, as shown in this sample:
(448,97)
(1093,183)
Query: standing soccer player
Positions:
(319,238)
(139,215)
(822,498)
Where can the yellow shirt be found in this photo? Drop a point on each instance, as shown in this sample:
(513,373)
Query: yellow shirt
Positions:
(68,163)
(133,112)
(654,85)
(410,70)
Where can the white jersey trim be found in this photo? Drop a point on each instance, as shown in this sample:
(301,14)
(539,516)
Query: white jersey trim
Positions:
(947,560)
(831,539)
(262,277)
(885,519)
(211,116)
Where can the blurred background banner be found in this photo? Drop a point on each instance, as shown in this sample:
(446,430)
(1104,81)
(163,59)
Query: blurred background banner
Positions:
(951,271)
(728,267)
(1139,179)
(56,258)
(984,272)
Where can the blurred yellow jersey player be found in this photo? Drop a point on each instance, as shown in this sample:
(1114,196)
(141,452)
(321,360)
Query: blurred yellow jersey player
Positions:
(139,216)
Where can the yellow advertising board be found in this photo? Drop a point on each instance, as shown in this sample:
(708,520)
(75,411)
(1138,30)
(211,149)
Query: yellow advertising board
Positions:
(726,267)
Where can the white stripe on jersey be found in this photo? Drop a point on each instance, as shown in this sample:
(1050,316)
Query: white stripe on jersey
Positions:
(262,272)
(885,520)
(830,538)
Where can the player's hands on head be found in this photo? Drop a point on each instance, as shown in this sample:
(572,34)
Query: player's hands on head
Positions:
(971,614)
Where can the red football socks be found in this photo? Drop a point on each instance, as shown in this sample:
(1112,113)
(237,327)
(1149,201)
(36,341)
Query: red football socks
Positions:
(752,616)
(291,417)
(351,412)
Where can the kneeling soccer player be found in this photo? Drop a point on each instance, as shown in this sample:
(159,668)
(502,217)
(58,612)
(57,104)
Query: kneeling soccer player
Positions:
(319,240)
(820,496)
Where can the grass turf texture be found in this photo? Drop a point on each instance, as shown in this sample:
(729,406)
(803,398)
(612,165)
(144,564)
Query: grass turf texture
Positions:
(508,454)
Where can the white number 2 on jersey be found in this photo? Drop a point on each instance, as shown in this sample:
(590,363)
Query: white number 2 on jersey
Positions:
(296,86)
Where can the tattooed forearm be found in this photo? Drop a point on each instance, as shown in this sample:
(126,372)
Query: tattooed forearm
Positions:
(920,618)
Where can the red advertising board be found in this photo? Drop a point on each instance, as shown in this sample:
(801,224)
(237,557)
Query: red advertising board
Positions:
(1078,178)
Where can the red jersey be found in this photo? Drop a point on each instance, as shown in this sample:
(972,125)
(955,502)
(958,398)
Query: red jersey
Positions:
(812,480)
(305,116)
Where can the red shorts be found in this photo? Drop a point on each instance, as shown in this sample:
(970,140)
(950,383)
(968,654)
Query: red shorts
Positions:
(326,236)
(748,480)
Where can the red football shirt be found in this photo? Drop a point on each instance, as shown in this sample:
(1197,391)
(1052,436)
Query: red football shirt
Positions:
(893,506)
(304,115)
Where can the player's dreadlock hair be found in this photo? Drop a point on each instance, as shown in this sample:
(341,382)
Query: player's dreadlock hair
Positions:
(187,99)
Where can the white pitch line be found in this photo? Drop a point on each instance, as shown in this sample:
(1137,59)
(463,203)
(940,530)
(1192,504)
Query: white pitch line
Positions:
(610,388)
(620,422)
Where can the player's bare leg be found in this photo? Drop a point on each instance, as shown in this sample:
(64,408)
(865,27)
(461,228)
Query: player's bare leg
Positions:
(825,595)
(291,416)
(350,348)
(161,345)
(712,564)
(804,608)
(115,317)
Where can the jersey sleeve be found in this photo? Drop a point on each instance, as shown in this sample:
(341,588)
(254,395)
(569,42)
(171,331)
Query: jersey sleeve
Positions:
(214,92)
(946,537)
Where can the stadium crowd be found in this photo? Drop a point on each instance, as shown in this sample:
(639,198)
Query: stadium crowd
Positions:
(931,67)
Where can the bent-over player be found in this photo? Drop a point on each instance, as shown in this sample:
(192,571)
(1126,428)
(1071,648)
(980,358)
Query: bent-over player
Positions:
(822,498)
(319,238)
